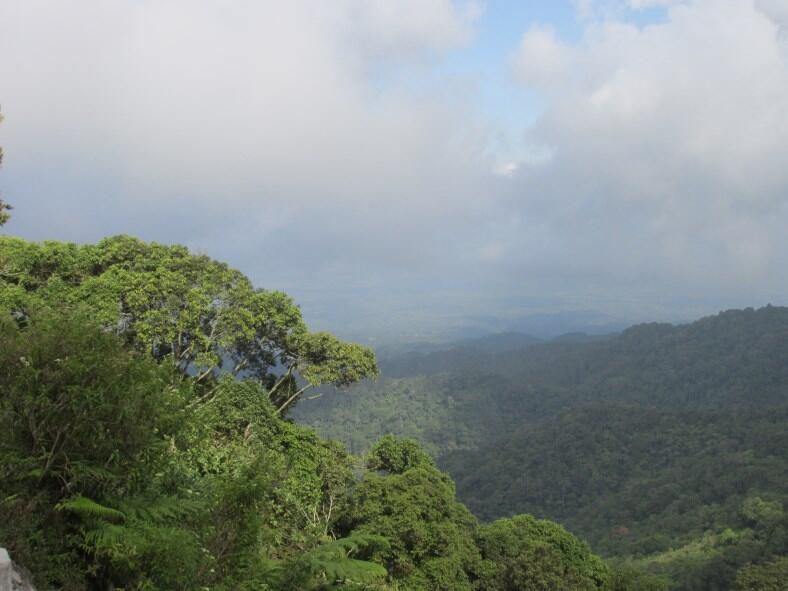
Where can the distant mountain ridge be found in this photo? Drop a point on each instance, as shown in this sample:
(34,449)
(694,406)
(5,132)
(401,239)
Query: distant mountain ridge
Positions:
(438,358)
(501,381)
(449,356)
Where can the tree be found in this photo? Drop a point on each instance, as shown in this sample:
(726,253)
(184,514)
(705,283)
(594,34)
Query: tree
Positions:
(625,577)
(86,426)
(109,461)
(771,576)
(188,311)
(4,207)
(413,505)
(141,393)
(396,455)
(338,564)
(523,553)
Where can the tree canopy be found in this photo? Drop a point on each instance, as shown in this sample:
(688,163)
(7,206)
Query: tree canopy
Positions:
(192,312)
(770,576)
(663,446)
(113,471)
(144,447)
(527,554)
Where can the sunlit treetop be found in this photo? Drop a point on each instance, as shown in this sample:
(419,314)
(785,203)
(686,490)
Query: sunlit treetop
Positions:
(188,310)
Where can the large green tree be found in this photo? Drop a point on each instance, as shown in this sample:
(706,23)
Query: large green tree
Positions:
(114,474)
(141,390)
(527,554)
(85,431)
(407,500)
(192,312)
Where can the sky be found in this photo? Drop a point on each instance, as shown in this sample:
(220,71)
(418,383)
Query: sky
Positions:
(401,167)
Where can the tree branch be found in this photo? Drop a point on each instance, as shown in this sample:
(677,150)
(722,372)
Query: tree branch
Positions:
(281,381)
(293,397)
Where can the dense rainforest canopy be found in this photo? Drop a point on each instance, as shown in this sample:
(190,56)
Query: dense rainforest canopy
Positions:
(655,444)
(144,392)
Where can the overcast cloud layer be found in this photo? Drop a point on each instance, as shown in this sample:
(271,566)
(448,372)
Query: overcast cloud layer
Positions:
(321,148)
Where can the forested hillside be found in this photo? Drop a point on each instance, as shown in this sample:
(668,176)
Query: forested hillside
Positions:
(145,392)
(461,396)
(654,444)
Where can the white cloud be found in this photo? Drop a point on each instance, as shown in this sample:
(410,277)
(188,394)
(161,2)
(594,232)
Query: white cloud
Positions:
(289,115)
(541,59)
(317,145)
(409,25)
(669,144)
(777,10)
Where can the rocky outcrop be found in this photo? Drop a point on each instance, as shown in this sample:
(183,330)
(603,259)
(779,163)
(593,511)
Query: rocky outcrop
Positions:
(11,577)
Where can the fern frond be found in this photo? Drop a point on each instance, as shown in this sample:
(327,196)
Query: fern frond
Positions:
(161,509)
(104,536)
(85,507)
(84,472)
(332,563)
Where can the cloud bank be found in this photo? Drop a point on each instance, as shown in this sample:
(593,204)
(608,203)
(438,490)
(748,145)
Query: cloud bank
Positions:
(668,146)
(322,148)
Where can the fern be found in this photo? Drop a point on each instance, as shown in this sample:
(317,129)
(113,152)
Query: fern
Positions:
(160,510)
(333,564)
(88,508)
(126,531)
(85,472)
(103,536)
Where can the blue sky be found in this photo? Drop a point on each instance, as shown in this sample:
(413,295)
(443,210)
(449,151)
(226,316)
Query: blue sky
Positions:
(403,167)
(498,33)
(508,105)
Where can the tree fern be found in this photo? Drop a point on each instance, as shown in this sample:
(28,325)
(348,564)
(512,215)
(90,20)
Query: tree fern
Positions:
(135,530)
(339,563)
(87,508)
(160,510)
(84,472)
(103,536)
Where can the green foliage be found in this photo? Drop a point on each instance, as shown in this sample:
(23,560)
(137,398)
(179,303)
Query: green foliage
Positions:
(339,564)
(131,460)
(464,398)
(330,361)
(86,430)
(112,468)
(770,576)
(648,444)
(397,456)
(626,577)
(443,412)
(70,393)
(761,512)
(89,509)
(524,553)
(414,507)
(606,470)
(275,481)
(537,566)
(199,315)
(682,489)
